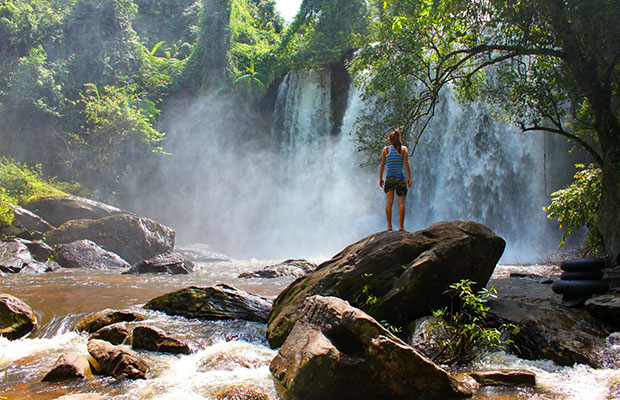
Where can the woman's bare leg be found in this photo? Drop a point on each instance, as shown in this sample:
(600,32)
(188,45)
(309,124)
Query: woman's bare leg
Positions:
(389,200)
(401,212)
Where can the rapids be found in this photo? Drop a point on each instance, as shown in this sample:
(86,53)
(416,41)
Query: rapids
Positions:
(231,356)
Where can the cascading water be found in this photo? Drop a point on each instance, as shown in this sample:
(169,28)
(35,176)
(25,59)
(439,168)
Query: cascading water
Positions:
(302,192)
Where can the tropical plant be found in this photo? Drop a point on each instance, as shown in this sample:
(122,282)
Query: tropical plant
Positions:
(545,65)
(460,332)
(576,206)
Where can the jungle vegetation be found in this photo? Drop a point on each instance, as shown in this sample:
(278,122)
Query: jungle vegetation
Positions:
(83,82)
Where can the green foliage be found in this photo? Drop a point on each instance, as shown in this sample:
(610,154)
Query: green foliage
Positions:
(20,184)
(118,138)
(461,330)
(324,31)
(576,206)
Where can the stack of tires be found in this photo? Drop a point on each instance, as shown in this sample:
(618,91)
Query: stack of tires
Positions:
(581,278)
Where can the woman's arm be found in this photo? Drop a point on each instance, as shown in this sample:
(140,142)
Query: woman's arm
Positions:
(382,167)
(406,164)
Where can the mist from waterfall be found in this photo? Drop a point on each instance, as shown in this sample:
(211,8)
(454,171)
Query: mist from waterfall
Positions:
(297,189)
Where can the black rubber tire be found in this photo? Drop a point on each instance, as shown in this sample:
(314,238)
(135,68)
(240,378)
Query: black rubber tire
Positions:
(580,288)
(582,275)
(582,264)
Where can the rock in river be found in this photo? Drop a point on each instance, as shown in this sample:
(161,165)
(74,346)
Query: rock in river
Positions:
(168,263)
(336,351)
(132,238)
(155,339)
(58,210)
(15,257)
(87,254)
(117,361)
(212,303)
(291,267)
(406,273)
(71,365)
(93,322)
(16,318)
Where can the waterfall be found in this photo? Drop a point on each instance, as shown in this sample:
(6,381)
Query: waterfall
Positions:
(299,191)
(467,166)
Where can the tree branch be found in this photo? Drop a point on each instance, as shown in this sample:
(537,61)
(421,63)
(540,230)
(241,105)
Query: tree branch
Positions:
(595,155)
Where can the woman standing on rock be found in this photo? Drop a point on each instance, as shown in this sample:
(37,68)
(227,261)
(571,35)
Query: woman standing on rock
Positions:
(395,157)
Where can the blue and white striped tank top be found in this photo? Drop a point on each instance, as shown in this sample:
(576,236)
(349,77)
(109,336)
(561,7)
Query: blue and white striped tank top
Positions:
(394,164)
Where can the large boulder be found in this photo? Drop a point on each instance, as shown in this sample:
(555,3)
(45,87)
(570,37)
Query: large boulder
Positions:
(605,308)
(117,361)
(28,223)
(88,255)
(403,275)
(155,339)
(546,329)
(95,321)
(58,210)
(71,365)
(213,303)
(16,317)
(15,257)
(293,267)
(336,351)
(116,333)
(132,238)
(169,263)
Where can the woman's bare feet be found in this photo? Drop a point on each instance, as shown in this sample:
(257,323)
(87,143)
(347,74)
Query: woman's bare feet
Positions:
(401,229)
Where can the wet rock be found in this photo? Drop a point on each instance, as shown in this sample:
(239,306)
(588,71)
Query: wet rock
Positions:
(31,225)
(201,253)
(58,210)
(80,396)
(15,257)
(168,263)
(605,308)
(69,366)
(407,273)
(547,330)
(88,255)
(132,238)
(336,351)
(242,393)
(93,322)
(154,339)
(294,268)
(117,361)
(39,250)
(213,303)
(504,377)
(16,318)
(115,333)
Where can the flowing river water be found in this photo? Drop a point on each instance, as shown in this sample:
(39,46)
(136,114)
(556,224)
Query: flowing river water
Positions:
(231,358)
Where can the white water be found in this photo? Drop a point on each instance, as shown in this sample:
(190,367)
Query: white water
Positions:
(230,356)
(299,191)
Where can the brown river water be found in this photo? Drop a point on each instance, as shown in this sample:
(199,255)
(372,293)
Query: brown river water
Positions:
(231,357)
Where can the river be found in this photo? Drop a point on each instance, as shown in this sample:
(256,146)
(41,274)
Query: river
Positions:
(231,357)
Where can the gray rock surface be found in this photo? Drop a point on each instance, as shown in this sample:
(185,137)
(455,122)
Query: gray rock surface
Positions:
(213,303)
(58,210)
(406,273)
(132,238)
(168,263)
(117,361)
(88,255)
(336,351)
(16,317)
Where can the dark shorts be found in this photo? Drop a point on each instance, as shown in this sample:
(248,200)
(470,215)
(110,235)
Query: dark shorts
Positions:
(397,184)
